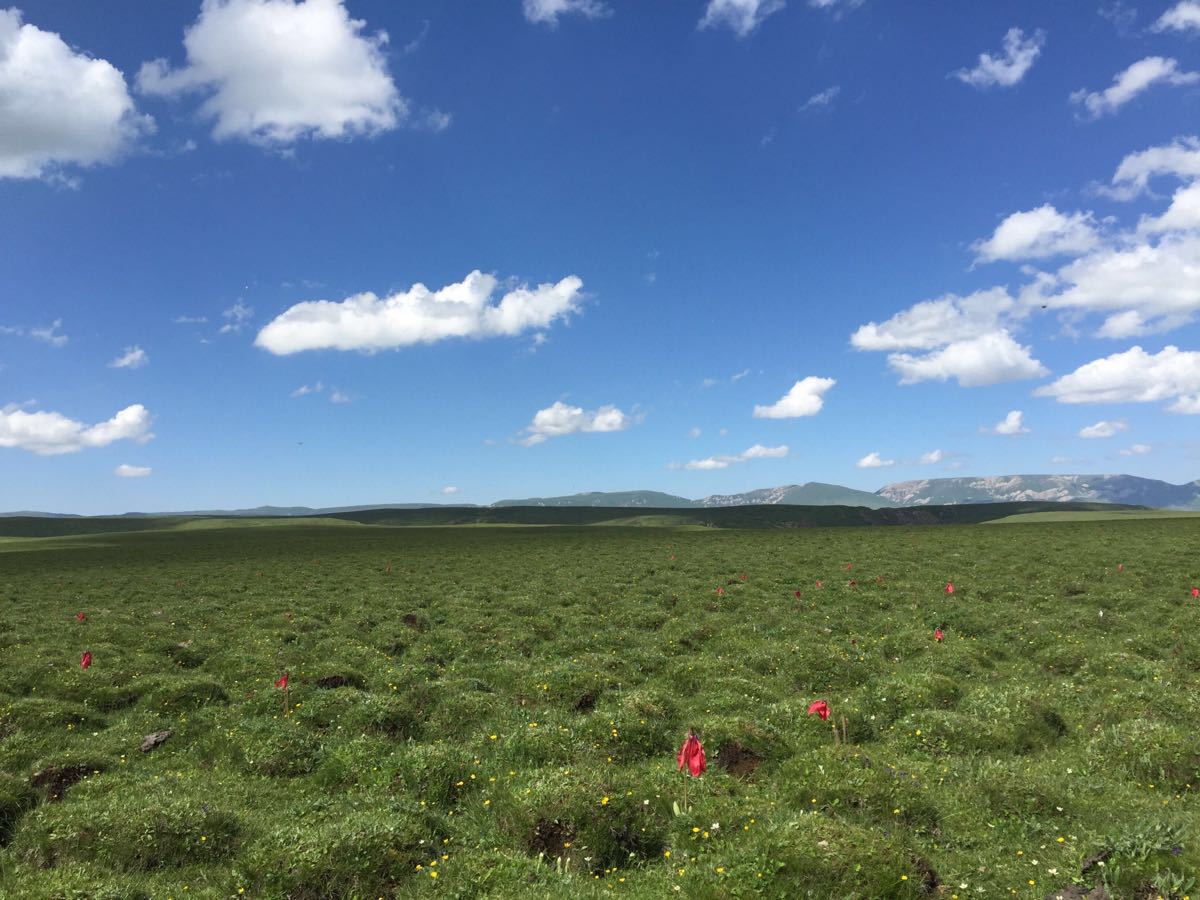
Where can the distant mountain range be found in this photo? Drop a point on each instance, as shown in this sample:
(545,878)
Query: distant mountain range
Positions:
(1124,489)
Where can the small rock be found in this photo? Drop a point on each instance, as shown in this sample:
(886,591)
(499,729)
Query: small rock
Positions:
(150,741)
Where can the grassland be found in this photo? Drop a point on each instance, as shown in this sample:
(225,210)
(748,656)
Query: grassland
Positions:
(493,712)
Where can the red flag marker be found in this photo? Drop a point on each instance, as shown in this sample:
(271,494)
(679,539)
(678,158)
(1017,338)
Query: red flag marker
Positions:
(949,587)
(79,617)
(819,708)
(743,577)
(282,681)
(720,592)
(1195,593)
(849,566)
(691,755)
(937,635)
(819,584)
(85,661)
(797,595)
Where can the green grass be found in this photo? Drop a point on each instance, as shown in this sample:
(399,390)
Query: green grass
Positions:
(1096,515)
(505,692)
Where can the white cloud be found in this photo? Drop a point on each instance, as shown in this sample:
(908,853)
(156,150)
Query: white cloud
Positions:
(51,433)
(1180,158)
(1182,215)
(1134,376)
(133,358)
(1037,234)
(821,100)
(835,4)
(932,457)
(1139,77)
(59,107)
(1183,16)
(1104,429)
(1011,425)
(738,376)
(758,451)
(694,433)
(548,11)
(449,490)
(305,389)
(741,16)
(1142,286)
(874,461)
(1136,450)
(50,334)
(992,358)
(126,471)
(339,396)
(805,398)
(1008,68)
(465,310)
(935,323)
(189,320)
(560,419)
(276,71)
(236,318)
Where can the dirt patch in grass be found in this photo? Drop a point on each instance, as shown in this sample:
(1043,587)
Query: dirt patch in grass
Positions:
(413,621)
(340,680)
(927,878)
(56,779)
(739,761)
(586,703)
(550,836)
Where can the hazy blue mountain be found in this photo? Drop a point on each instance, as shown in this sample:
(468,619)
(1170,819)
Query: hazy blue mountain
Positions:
(1128,489)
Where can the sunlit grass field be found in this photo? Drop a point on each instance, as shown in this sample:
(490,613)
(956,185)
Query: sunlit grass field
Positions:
(494,712)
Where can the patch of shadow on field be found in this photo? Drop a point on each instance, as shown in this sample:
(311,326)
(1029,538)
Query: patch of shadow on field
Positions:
(927,878)
(340,680)
(587,702)
(55,780)
(413,621)
(738,761)
(551,837)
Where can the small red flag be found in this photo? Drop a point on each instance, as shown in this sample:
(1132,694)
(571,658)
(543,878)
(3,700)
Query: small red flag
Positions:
(282,681)
(797,595)
(937,635)
(819,584)
(1195,593)
(849,566)
(691,754)
(79,617)
(819,708)
(85,661)
(720,592)
(744,577)
(949,587)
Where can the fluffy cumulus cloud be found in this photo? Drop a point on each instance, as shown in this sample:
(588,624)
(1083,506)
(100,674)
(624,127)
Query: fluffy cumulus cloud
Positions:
(449,490)
(1010,426)
(127,471)
(741,16)
(1104,429)
(51,433)
(1134,376)
(58,107)
(933,457)
(274,71)
(1183,16)
(1138,78)
(133,358)
(1141,286)
(1037,234)
(1008,67)
(1182,215)
(1180,158)
(805,398)
(874,461)
(758,451)
(466,309)
(560,419)
(964,338)
(548,11)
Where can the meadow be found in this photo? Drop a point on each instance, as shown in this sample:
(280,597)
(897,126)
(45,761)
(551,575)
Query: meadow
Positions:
(495,711)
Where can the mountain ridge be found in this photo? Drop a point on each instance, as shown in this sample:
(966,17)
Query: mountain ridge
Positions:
(1111,488)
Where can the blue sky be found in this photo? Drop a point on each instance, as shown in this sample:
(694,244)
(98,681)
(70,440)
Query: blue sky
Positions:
(720,245)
